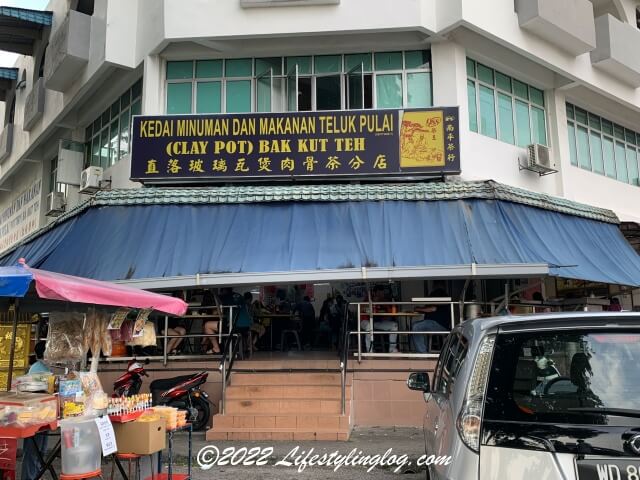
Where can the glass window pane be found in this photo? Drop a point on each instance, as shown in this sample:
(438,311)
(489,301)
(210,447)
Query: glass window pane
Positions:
(537,96)
(209,69)
(471,68)
(136,90)
(595,144)
(473,107)
(106,117)
(608,154)
(607,127)
(115,109)
(87,133)
(328,63)
(487,112)
(124,133)
(503,82)
(179,70)
(263,93)
(621,163)
(417,59)
(328,93)
(573,154)
(238,67)
(570,111)
(538,125)
(125,99)
(632,166)
(95,151)
(353,60)
(629,136)
(136,108)
(520,89)
(304,65)
(238,96)
(264,64)
(485,74)
(523,130)
(505,118)
(96,126)
(104,149)
(209,97)
(419,90)
(618,132)
(584,158)
(178,98)
(594,121)
(114,144)
(389,91)
(581,116)
(388,60)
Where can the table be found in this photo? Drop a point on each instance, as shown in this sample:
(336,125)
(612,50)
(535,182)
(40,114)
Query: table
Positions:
(274,316)
(170,476)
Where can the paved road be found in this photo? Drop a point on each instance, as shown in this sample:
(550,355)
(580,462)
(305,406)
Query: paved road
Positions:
(366,442)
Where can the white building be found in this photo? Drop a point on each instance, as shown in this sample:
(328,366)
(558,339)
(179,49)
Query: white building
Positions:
(567,70)
(561,73)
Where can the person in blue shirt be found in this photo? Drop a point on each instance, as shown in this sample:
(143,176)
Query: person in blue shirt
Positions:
(30,462)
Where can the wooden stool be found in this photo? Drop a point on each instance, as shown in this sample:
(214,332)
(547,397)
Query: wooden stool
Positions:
(130,458)
(81,476)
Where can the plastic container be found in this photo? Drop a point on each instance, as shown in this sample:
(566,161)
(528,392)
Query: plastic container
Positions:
(23,409)
(81,448)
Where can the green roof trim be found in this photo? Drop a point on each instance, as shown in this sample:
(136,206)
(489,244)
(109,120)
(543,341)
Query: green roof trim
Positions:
(432,191)
(38,17)
(8,73)
(348,193)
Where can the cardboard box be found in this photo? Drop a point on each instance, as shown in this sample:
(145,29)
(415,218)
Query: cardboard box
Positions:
(143,438)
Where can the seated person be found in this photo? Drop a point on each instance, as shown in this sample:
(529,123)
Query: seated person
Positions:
(210,327)
(176,327)
(380,323)
(437,318)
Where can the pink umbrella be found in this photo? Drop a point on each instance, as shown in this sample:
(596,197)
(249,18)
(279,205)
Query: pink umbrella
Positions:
(67,288)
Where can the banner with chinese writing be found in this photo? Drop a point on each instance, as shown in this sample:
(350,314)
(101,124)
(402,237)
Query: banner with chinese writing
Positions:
(197,148)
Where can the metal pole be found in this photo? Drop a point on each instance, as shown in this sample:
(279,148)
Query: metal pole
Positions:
(359,338)
(13,344)
(224,384)
(343,381)
(166,340)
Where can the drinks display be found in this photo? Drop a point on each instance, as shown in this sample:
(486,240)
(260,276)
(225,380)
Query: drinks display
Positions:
(128,405)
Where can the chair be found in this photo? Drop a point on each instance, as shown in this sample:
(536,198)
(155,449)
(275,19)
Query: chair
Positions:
(81,476)
(130,458)
(290,332)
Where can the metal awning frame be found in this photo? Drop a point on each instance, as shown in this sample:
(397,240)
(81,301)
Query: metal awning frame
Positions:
(471,271)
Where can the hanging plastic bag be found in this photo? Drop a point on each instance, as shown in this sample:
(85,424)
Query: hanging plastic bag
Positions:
(65,338)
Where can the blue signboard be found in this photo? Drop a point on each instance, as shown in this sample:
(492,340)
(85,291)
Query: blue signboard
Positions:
(260,146)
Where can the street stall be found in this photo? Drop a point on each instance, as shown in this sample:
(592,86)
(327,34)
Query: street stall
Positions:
(80,311)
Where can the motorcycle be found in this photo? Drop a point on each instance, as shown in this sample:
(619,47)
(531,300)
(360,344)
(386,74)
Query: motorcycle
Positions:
(181,392)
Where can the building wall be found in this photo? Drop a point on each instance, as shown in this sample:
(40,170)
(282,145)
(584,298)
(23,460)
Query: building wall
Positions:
(130,39)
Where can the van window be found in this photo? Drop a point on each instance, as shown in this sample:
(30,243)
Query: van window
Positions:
(564,377)
(450,363)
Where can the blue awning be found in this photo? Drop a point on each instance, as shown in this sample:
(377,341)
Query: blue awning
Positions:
(186,240)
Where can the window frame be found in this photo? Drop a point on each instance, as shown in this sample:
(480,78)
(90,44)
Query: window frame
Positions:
(615,140)
(514,99)
(281,81)
(97,134)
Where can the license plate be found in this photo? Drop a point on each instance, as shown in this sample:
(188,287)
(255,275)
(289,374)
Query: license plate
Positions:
(605,469)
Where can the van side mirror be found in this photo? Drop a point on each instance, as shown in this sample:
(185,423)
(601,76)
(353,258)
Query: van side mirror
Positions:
(419,381)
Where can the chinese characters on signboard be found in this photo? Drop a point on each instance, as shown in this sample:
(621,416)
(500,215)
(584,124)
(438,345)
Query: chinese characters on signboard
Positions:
(21,217)
(194,148)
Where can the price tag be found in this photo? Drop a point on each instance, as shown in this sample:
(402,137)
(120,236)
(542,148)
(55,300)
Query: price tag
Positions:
(107,436)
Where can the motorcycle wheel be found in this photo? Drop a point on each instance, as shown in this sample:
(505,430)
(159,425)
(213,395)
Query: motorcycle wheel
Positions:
(204,412)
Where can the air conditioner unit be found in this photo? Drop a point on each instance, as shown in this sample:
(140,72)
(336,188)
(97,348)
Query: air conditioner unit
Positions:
(539,159)
(90,180)
(55,204)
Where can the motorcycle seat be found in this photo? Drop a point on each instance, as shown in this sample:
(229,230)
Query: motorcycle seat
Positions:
(167,383)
